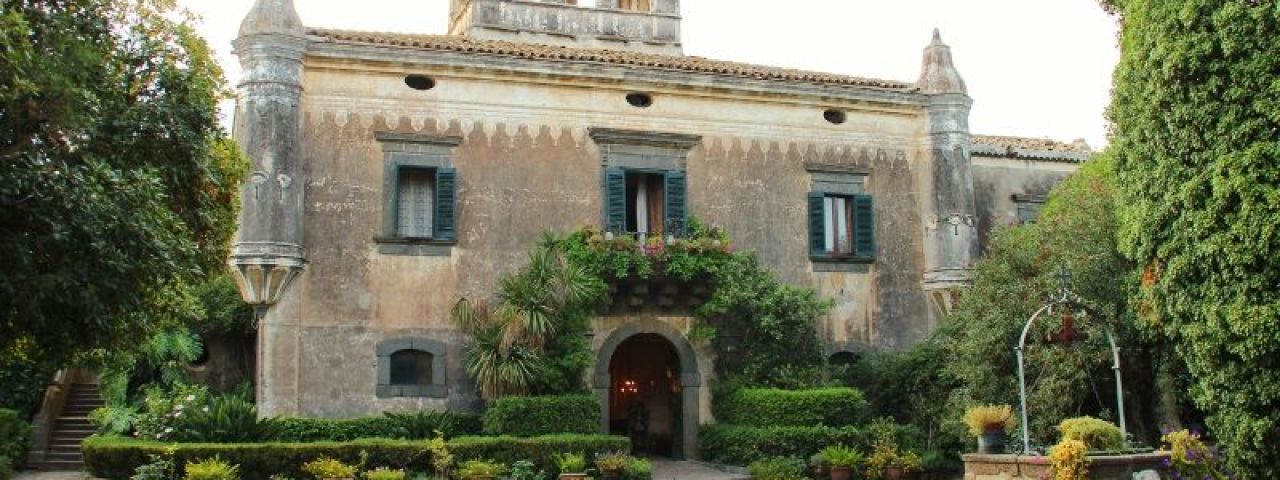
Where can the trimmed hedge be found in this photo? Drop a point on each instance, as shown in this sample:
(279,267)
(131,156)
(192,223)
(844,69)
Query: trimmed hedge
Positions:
(116,458)
(546,415)
(766,407)
(741,445)
(298,429)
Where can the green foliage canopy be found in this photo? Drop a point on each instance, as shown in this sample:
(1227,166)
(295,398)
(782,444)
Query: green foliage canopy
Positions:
(1196,114)
(117,186)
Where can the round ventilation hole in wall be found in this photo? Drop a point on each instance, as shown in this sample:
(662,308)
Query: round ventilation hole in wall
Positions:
(641,100)
(420,82)
(834,116)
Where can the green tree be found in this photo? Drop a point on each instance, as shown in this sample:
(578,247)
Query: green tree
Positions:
(1076,231)
(1195,116)
(118,187)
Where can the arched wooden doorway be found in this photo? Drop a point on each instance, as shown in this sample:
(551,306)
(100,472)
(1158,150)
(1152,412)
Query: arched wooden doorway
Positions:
(647,380)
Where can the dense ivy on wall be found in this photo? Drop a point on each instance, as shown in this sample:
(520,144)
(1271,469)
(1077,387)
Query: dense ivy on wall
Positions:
(531,338)
(1196,119)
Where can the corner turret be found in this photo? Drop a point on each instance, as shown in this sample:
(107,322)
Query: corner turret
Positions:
(951,230)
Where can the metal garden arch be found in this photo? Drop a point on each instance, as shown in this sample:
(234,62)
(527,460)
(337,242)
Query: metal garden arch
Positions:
(1065,301)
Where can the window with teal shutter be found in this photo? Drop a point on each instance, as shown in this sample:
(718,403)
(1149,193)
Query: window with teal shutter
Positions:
(841,227)
(676,201)
(446,204)
(864,227)
(615,199)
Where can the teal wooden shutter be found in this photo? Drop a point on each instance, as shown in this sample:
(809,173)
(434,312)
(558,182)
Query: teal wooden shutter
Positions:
(615,199)
(864,227)
(817,226)
(675,209)
(446,204)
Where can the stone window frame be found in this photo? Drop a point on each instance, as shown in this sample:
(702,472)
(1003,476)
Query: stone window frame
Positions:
(843,180)
(437,349)
(1024,203)
(405,151)
(638,151)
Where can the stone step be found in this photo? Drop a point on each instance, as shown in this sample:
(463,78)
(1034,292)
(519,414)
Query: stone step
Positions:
(64,456)
(56,466)
(74,431)
(65,444)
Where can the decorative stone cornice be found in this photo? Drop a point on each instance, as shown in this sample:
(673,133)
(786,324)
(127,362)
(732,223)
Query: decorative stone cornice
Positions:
(611,136)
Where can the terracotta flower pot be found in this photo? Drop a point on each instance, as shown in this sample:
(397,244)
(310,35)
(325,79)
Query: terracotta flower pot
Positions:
(894,473)
(841,473)
(612,474)
(991,441)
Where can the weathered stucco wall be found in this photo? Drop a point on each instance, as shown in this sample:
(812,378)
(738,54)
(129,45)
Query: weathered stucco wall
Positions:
(525,164)
(997,179)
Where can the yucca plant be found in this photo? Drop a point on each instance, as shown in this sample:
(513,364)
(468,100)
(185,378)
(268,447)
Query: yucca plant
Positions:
(505,354)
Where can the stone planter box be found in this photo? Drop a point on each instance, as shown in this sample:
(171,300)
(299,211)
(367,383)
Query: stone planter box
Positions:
(1035,467)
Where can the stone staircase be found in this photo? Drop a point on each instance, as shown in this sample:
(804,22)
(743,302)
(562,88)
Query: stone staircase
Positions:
(71,427)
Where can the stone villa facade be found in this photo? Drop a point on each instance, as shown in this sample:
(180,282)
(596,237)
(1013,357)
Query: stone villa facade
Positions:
(393,174)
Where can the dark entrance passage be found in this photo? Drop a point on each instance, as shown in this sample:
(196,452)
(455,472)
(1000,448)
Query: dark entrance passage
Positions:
(645,395)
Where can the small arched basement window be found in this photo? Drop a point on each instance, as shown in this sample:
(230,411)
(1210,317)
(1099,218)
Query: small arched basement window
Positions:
(411,367)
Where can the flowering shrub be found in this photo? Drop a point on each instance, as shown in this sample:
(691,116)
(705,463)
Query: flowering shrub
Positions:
(163,410)
(1190,458)
(1067,460)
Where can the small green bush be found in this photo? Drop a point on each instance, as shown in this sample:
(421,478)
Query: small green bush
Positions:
(211,469)
(766,407)
(383,473)
(1096,434)
(116,458)
(226,418)
(14,435)
(777,469)
(533,416)
(638,469)
(741,445)
(480,468)
(325,468)
(842,456)
(571,463)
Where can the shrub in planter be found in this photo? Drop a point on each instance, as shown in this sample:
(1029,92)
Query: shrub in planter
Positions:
(888,462)
(843,461)
(777,469)
(325,468)
(480,470)
(1094,433)
(763,407)
(384,473)
(545,415)
(989,423)
(211,469)
(1068,460)
(571,465)
(613,464)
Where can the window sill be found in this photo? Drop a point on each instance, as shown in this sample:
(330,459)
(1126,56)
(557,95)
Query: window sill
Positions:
(415,247)
(421,391)
(841,264)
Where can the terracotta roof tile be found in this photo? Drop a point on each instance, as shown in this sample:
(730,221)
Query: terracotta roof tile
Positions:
(1032,148)
(640,59)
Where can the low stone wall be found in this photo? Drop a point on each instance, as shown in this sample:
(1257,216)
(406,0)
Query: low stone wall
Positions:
(1035,467)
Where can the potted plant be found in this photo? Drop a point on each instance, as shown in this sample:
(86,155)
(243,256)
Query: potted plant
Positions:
(842,460)
(325,468)
(989,423)
(888,463)
(480,470)
(820,466)
(612,464)
(572,466)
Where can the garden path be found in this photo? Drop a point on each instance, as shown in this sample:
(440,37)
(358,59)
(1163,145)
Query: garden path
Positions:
(673,470)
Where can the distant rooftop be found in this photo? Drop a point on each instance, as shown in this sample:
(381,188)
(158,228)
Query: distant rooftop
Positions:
(1031,148)
(632,58)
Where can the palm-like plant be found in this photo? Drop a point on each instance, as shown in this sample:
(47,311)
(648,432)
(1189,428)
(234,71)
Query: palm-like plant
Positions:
(508,339)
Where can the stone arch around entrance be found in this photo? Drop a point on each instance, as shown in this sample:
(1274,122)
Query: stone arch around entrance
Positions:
(690,378)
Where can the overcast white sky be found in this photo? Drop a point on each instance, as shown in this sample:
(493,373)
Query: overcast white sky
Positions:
(1035,68)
